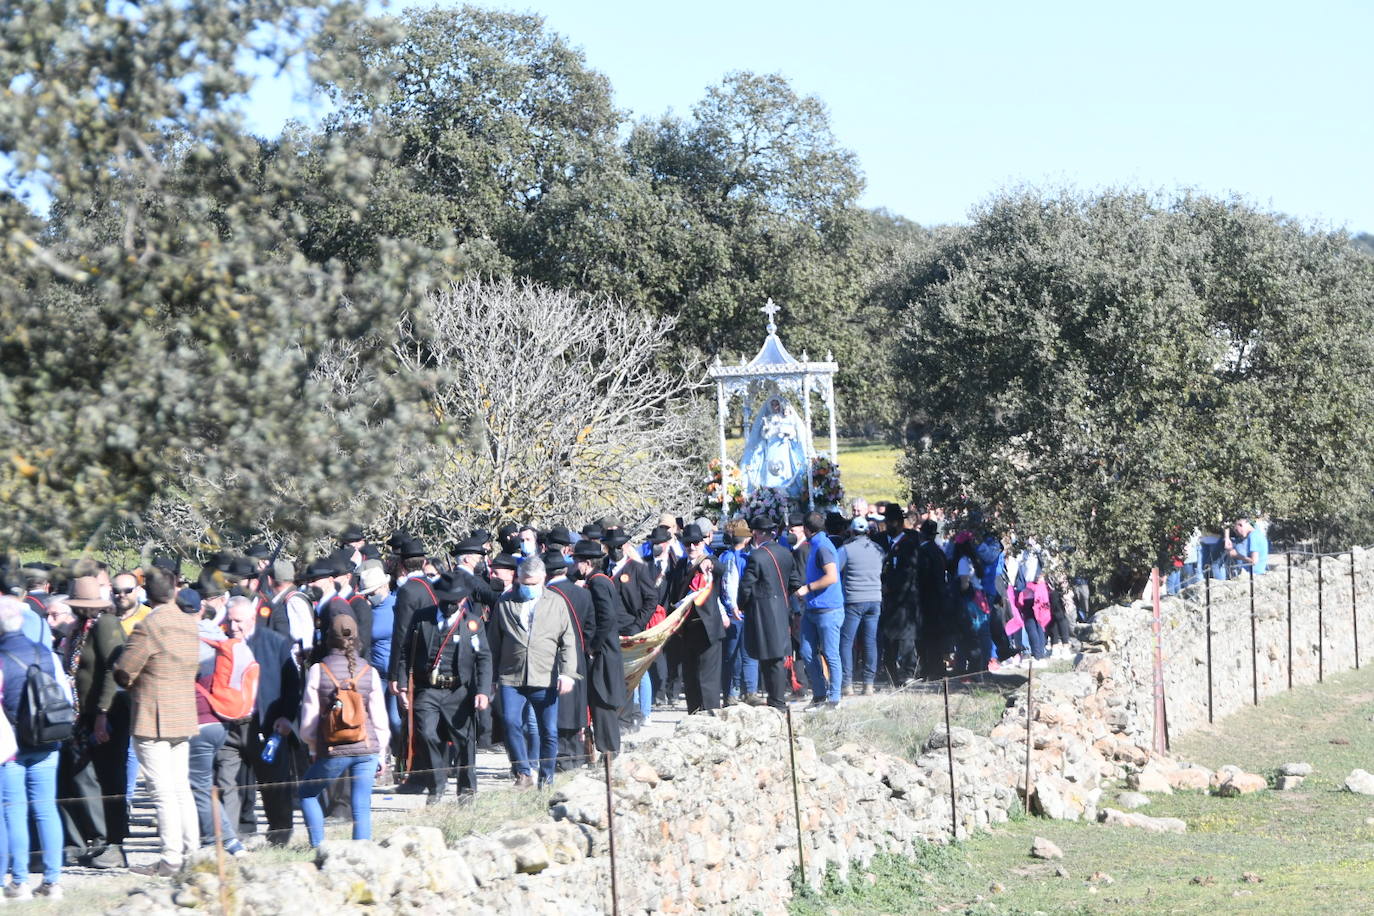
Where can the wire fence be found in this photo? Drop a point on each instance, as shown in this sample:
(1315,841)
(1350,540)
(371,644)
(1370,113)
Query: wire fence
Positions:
(1309,618)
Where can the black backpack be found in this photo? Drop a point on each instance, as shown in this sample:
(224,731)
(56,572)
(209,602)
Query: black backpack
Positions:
(46,714)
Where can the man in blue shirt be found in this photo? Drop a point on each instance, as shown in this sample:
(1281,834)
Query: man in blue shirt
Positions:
(823,616)
(1252,550)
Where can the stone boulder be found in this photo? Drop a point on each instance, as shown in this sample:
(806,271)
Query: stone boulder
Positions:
(1240,783)
(1360,782)
(1114,818)
(1042,848)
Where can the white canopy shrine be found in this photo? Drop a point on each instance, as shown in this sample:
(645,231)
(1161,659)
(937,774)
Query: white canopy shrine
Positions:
(774,372)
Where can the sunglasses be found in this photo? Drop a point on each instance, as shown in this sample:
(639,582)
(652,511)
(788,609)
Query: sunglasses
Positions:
(125,591)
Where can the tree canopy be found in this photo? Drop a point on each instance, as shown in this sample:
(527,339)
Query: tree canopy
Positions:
(1111,370)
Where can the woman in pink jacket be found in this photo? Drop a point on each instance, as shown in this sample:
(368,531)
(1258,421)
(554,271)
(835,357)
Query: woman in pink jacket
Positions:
(1034,605)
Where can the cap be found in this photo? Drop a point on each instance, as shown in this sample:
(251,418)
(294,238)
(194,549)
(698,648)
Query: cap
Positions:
(188,599)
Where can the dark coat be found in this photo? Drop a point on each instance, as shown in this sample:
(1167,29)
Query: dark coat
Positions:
(572,706)
(362,612)
(279,680)
(932,588)
(415,596)
(770,577)
(638,596)
(707,613)
(332,608)
(900,599)
(461,649)
(606,665)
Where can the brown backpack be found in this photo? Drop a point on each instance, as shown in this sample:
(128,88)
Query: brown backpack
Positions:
(345,722)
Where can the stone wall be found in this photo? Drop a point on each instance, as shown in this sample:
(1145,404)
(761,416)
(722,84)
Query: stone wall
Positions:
(1124,635)
(704,819)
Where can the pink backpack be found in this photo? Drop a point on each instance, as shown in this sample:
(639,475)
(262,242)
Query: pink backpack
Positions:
(234,683)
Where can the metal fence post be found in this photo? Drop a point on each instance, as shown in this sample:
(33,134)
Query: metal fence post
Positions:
(610,837)
(1354,616)
(1161,742)
(1030,683)
(1321,627)
(1207,591)
(1254,643)
(796,795)
(1289,557)
(949,749)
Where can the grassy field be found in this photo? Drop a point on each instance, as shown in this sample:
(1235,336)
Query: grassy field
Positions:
(1307,851)
(868,467)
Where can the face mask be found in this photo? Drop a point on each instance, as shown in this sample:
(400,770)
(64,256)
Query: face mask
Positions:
(527,592)
(375,600)
(526,549)
(63,630)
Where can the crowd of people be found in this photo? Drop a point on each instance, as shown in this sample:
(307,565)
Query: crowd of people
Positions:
(276,685)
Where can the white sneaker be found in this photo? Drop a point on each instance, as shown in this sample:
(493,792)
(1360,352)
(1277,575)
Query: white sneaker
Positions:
(51,891)
(18,891)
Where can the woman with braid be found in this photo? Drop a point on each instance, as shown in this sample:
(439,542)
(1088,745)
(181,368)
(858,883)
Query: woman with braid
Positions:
(344,725)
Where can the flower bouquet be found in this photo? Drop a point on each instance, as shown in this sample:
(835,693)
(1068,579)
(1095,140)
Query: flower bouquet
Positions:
(733,485)
(769,501)
(827,492)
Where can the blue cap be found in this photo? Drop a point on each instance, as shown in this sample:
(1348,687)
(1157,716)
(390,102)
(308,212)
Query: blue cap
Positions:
(189,600)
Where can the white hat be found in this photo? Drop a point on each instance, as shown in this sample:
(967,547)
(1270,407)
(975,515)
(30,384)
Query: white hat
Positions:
(371,579)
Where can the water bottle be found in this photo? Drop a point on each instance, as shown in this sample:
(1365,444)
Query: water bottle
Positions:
(269,750)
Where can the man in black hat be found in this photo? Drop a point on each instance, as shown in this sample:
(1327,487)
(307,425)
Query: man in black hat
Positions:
(508,537)
(898,620)
(572,707)
(634,581)
(702,633)
(659,556)
(560,538)
(415,598)
(447,660)
(769,579)
(606,667)
(352,540)
(471,553)
(937,626)
(322,587)
(592,531)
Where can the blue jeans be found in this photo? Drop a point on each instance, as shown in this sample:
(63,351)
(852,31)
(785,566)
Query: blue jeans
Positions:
(1035,634)
(860,618)
(644,693)
(742,668)
(30,779)
(728,648)
(821,630)
(201,756)
(543,701)
(324,771)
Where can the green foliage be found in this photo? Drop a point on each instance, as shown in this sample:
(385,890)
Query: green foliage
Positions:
(1113,370)
(166,321)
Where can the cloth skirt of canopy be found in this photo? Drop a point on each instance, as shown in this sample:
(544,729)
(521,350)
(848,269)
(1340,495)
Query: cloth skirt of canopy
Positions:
(640,650)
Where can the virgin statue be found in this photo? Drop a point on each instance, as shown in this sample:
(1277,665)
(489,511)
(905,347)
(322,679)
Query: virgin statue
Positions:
(775,452)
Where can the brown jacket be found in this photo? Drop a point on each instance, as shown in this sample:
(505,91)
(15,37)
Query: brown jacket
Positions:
(159,666)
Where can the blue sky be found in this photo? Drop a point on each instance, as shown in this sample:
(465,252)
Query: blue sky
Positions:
(946,103)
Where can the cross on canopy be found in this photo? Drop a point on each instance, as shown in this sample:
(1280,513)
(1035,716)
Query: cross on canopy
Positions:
(771,310)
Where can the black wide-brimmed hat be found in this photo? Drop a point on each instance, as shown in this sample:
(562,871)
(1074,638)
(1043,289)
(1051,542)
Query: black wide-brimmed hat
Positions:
(412,548)
(616,537)
(352,533)
(763,523)
(470,545)
(692,534)
(660,535)
(452,587)
(505,561)
(587,549)
(559,536)
(555,564)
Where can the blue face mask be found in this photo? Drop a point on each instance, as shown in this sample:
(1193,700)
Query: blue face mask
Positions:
(526,549)
(526,592)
